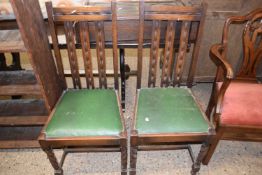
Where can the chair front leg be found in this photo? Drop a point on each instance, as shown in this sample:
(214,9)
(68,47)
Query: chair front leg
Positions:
(197,163)
(133,159)
(124,157)
(53,160)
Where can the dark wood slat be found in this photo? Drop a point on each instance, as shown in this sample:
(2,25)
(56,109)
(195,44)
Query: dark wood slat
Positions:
(168,54)
(86,51)
(9,144)
(22,107)
(154,53)
(17,77)
(173,17)
(70,39)
(20,90)
(115,41)
(100,52)
(58,58)
(181,56)
(22,120)
(19,132)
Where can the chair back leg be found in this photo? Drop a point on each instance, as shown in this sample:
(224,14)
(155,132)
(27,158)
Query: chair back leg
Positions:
(197,163)
(212,147)
(53,160)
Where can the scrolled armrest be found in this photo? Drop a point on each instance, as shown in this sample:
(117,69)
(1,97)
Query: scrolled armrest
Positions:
(216,55)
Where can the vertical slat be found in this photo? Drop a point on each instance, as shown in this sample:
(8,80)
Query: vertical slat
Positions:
(100,51)
(192,68)
(59,64)
(154,53)
(178,72)
(114,39)
(70,40)
(168,55)
(252,50)
(140,43)
(86,51)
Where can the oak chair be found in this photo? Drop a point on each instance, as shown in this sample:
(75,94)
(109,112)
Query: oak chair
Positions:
(169,117)
(235,105)
(85,120)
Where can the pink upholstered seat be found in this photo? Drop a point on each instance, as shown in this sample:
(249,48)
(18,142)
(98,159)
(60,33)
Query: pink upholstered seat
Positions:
(242,104)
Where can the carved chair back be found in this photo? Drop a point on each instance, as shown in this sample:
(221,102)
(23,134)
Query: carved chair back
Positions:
(251,41)
(177,20)
(76,22)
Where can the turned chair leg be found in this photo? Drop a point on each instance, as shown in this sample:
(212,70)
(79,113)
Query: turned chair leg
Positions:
(133,158)
(197,163)
(52,158)
(123,160)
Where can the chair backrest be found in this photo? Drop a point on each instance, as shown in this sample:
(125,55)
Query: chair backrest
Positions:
(76,22)
(252,42)
(177,20)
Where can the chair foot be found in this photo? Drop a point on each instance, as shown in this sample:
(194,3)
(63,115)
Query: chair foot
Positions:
(132,172)
(197,163)
(52,158)
(123,172)
(58,172)
(133,158)
(195,169)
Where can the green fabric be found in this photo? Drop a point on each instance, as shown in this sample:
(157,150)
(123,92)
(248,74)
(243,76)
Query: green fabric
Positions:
(86,113)
(168,110)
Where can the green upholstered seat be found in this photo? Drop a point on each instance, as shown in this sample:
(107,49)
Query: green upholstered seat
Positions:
(168,110)
(86,113)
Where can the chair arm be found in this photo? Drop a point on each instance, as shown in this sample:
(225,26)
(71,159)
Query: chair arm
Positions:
(216,55)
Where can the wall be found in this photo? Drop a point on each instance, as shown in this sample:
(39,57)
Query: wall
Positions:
(217,13)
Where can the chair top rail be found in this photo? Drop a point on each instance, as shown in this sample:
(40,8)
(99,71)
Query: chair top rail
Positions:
(64,18)
(70,10)
(173,9)
(81,13)
(174,17)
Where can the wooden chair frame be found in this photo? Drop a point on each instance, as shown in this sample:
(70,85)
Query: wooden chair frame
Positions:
(168,141)
(225,75)
(84,15)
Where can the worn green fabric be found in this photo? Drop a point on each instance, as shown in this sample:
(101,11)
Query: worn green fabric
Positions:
(168,110)
(86,113)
